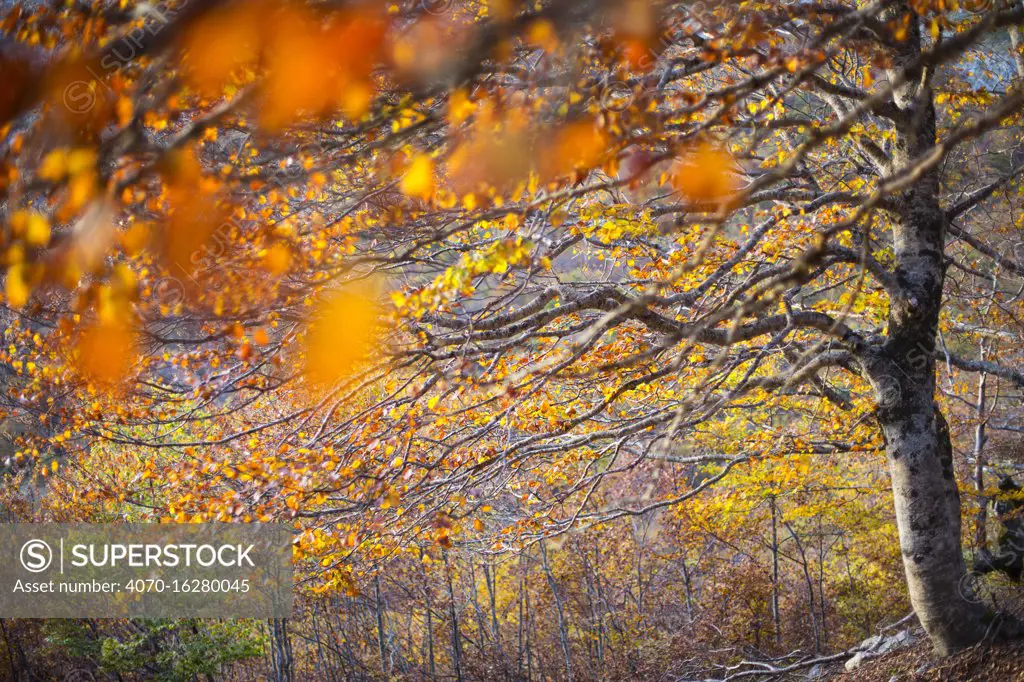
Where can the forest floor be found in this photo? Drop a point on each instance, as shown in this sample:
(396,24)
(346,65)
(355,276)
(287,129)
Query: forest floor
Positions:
(987,662)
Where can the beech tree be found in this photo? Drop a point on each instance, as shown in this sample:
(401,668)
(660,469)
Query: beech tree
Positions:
(478,276)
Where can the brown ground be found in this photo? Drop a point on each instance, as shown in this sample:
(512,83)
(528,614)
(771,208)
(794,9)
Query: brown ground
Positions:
(991,662)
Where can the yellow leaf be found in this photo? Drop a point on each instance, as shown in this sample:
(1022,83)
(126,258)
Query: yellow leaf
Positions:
(356,99)
(16,287)
(459,107)
(81,189)
(54,166)
(37,230)
(192,223)
(418,181)
(81,160)
(542,33)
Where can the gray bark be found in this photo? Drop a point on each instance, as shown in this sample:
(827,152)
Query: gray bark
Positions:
(379,608)
(775,574)
(453,614)
(902,370)
(980,437)
(563,633)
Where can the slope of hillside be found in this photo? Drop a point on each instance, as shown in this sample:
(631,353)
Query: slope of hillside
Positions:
(986,662)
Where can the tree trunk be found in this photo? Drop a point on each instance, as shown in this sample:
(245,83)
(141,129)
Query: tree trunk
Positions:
(379,612)
(775,575)
(563,632)
(430,618)
(280,650)
(902,370)
(928,517)
(453,614)
(981,517)
(815,626)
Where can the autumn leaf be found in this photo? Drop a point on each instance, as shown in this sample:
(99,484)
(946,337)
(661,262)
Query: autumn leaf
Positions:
(341,332)
(31,226)
(421,52)
(418,181)
(54,166)
(355,99)
(460,107)
(135,238)
(220,44)
(277,259)
(37,230)
(106,352)
(82,160)
(542,33)
(16,287)
(706,174)
(185,239)
(578,146)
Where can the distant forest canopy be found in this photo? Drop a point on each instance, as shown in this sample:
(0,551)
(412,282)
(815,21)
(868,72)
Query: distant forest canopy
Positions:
(575,339)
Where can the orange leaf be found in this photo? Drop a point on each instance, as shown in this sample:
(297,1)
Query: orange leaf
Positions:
(706,175)
(340,335)
(278,259)
(222,42)
(106,352)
